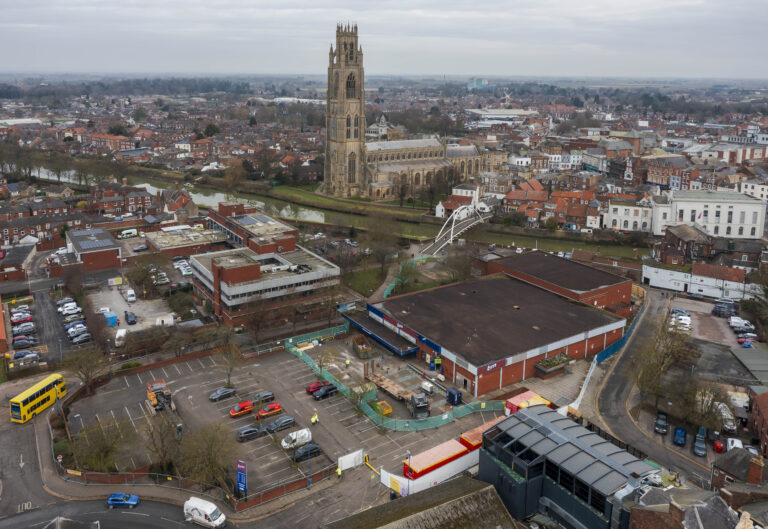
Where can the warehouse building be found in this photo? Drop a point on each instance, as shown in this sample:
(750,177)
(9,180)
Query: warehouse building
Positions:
(95,248)
(541,461)
(488,333)
(567,278)
(183,240)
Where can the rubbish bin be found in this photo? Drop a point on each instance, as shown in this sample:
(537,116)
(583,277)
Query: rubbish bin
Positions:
(392,495)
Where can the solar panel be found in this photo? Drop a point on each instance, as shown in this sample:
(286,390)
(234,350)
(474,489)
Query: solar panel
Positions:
(93,244)
(245,220)
(264,219)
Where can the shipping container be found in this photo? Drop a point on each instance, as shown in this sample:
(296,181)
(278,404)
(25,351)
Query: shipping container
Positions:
(525,400)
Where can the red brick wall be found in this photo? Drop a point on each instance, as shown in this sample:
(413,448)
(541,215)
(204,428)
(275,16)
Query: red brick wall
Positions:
(488,382)
(12,276)
(100,260)
(512,373)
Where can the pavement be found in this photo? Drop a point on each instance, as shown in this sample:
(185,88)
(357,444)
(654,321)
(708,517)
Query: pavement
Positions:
(616,397)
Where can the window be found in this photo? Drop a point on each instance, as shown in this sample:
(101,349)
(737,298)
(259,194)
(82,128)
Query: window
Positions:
(614,223)
(680,216)
(730,217)
(752,231)
(615,211)
(634,225)
(717,230)
(566,480)
(693,215)
(357,127)
(741,230)
(754,215)
(742,217)
(626,224)
(664,216)
(349,127)
(717,215)
(351,169)
(728,230)
(626,211)
(351,86)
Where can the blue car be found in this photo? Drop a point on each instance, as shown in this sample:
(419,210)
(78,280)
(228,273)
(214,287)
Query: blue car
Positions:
(680,435)
(73,324)
(121,499)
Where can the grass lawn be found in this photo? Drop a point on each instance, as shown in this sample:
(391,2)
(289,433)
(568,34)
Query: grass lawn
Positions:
(364,282)
(302,196)
(555,245)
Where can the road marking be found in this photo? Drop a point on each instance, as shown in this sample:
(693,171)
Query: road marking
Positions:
(165,373)
(126,382)
(201,363)
(27,505)
(135,513)
(177,369)
(139,377)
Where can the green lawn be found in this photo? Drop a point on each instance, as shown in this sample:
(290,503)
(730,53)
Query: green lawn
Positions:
(364,281)
(308,198)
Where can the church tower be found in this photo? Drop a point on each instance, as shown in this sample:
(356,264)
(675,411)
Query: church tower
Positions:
(345,162)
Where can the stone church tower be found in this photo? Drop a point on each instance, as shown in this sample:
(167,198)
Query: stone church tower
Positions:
(345,161)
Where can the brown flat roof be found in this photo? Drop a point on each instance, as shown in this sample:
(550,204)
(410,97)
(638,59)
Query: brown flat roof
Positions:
(559,271)
(489,319)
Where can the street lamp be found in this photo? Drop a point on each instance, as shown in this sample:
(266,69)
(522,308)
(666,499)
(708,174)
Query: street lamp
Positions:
(61,354)
(76,427)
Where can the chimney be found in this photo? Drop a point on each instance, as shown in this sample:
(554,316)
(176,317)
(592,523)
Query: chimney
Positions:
(125,181)
(755,472)
(677,512)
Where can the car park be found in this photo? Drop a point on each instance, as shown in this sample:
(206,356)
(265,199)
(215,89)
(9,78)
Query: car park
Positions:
(130,318)
(263,396)
(306,451)
(241,408)
(680,436)
(732,443)
(325,392)
(81,338)
(221,393)
(700,443)
(252,431)
(121,499)
(281,424)
(269,410)
(314,386)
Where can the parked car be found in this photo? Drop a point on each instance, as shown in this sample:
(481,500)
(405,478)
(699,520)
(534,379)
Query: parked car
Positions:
(241,408)
(325,392)
(77,331)
(661,425)
(103,310)
(180,264)
(121,499)
(20,308)
(681,312)
(306,451)
(21,319)
(73,318)
(161,281)
(29,358)
(263,396)
(744,339)
(71,311)
(21,354)
(314,386)
(700,443)
(140,248)
(130,318)
(81,338)
(269,410)
(732,443)
(24,344)
(281,424)
(75,323)
(186,272)
(66,306)
(221,393)
(252,431)
(21,327)
(680,436)
(23,338)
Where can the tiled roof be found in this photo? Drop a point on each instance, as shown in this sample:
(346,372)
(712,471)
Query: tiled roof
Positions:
(725,273)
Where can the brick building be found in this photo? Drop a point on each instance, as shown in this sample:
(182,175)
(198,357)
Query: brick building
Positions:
(247,226)
(737,466)
(490,332)
(567,278)
(96,249)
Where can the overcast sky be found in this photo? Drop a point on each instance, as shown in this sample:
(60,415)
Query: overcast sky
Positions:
(637,38)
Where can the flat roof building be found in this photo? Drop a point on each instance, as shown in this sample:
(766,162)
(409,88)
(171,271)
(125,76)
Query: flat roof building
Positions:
(249,227)
(96,248)
(542,461)
(489,333)
(241,283)
(183,240)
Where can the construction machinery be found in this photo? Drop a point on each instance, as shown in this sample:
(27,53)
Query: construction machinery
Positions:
(159,396)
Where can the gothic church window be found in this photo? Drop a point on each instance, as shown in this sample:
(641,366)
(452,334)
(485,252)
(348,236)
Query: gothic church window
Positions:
(351,86)
(351,169)
(349,126)
(357,127)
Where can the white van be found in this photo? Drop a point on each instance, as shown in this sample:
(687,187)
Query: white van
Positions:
(296,439)
(203,513)
(130,296)
(120,337)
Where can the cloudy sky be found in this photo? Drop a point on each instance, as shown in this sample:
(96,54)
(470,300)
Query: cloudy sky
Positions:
(637,38)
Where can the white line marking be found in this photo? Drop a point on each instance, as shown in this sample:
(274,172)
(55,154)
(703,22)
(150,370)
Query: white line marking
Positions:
(165,373)
(201,364)
(138,375)
(131,419)
(126,382)
(177,368)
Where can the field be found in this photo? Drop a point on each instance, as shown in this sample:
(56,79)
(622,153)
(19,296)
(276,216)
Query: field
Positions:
(364,281)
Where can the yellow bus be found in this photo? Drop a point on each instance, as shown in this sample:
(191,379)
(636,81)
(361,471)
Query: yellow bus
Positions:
(29,403)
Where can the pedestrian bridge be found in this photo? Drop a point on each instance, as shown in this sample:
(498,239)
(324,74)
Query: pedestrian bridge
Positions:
(462,219)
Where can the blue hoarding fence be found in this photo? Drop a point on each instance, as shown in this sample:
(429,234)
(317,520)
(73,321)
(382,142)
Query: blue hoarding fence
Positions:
(612,349)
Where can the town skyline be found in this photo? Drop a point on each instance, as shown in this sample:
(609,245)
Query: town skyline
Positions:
(679,39)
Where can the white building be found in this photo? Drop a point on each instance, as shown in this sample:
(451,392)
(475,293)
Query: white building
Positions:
(624,215)
(754,188)
(702,283)
(721,214)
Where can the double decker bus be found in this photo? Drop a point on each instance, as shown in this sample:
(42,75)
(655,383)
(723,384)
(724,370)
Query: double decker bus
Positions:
(34,400)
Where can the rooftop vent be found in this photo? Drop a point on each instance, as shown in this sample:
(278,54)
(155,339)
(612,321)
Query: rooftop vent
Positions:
(516,307)
(536,328)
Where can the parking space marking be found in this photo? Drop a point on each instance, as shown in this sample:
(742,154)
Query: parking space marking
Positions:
(138,375)
(189,366)
(348,417)
(131,419)
(201,363)
(165,372)
(177,369)
(99,421)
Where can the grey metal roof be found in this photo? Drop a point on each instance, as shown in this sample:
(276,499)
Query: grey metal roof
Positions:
(402,144)
(95,239)
(595,461)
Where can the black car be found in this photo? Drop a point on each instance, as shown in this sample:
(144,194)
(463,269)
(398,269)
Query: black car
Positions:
(281,424)
(325,392)
(81,338)
(263,396)
(246,433)
(24,344)
(661,425)
(307,451)
(179,258)
(140,248)
(221,393)
(130,318)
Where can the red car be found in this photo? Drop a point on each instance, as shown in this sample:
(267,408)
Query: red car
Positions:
(270,409)
(314,386)
(752,340)
(2,254)
(241,408)
(21,319)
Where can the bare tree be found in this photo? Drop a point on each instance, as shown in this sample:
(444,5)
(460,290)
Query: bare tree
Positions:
(230,356)
(206,454)
(382,236)
(161,439)
(87,363)
(325,357)
(98,443)
(459,264)
(234,176)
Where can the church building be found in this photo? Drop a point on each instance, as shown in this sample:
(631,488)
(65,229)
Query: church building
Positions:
(379,170)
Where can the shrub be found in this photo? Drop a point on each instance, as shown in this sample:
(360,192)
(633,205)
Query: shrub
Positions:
(129,365)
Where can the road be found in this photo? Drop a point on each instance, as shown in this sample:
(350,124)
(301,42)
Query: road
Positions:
(612,400)
(149,515)
(19,469)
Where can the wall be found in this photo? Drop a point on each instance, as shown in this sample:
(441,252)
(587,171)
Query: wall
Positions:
(411,486)
(100,260)
(680,281)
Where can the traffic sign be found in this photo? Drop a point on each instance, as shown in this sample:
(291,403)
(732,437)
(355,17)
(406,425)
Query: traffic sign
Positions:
(242,477)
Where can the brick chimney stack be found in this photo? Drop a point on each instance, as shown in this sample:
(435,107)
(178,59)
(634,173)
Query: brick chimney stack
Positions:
(676,511)
(755,472)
